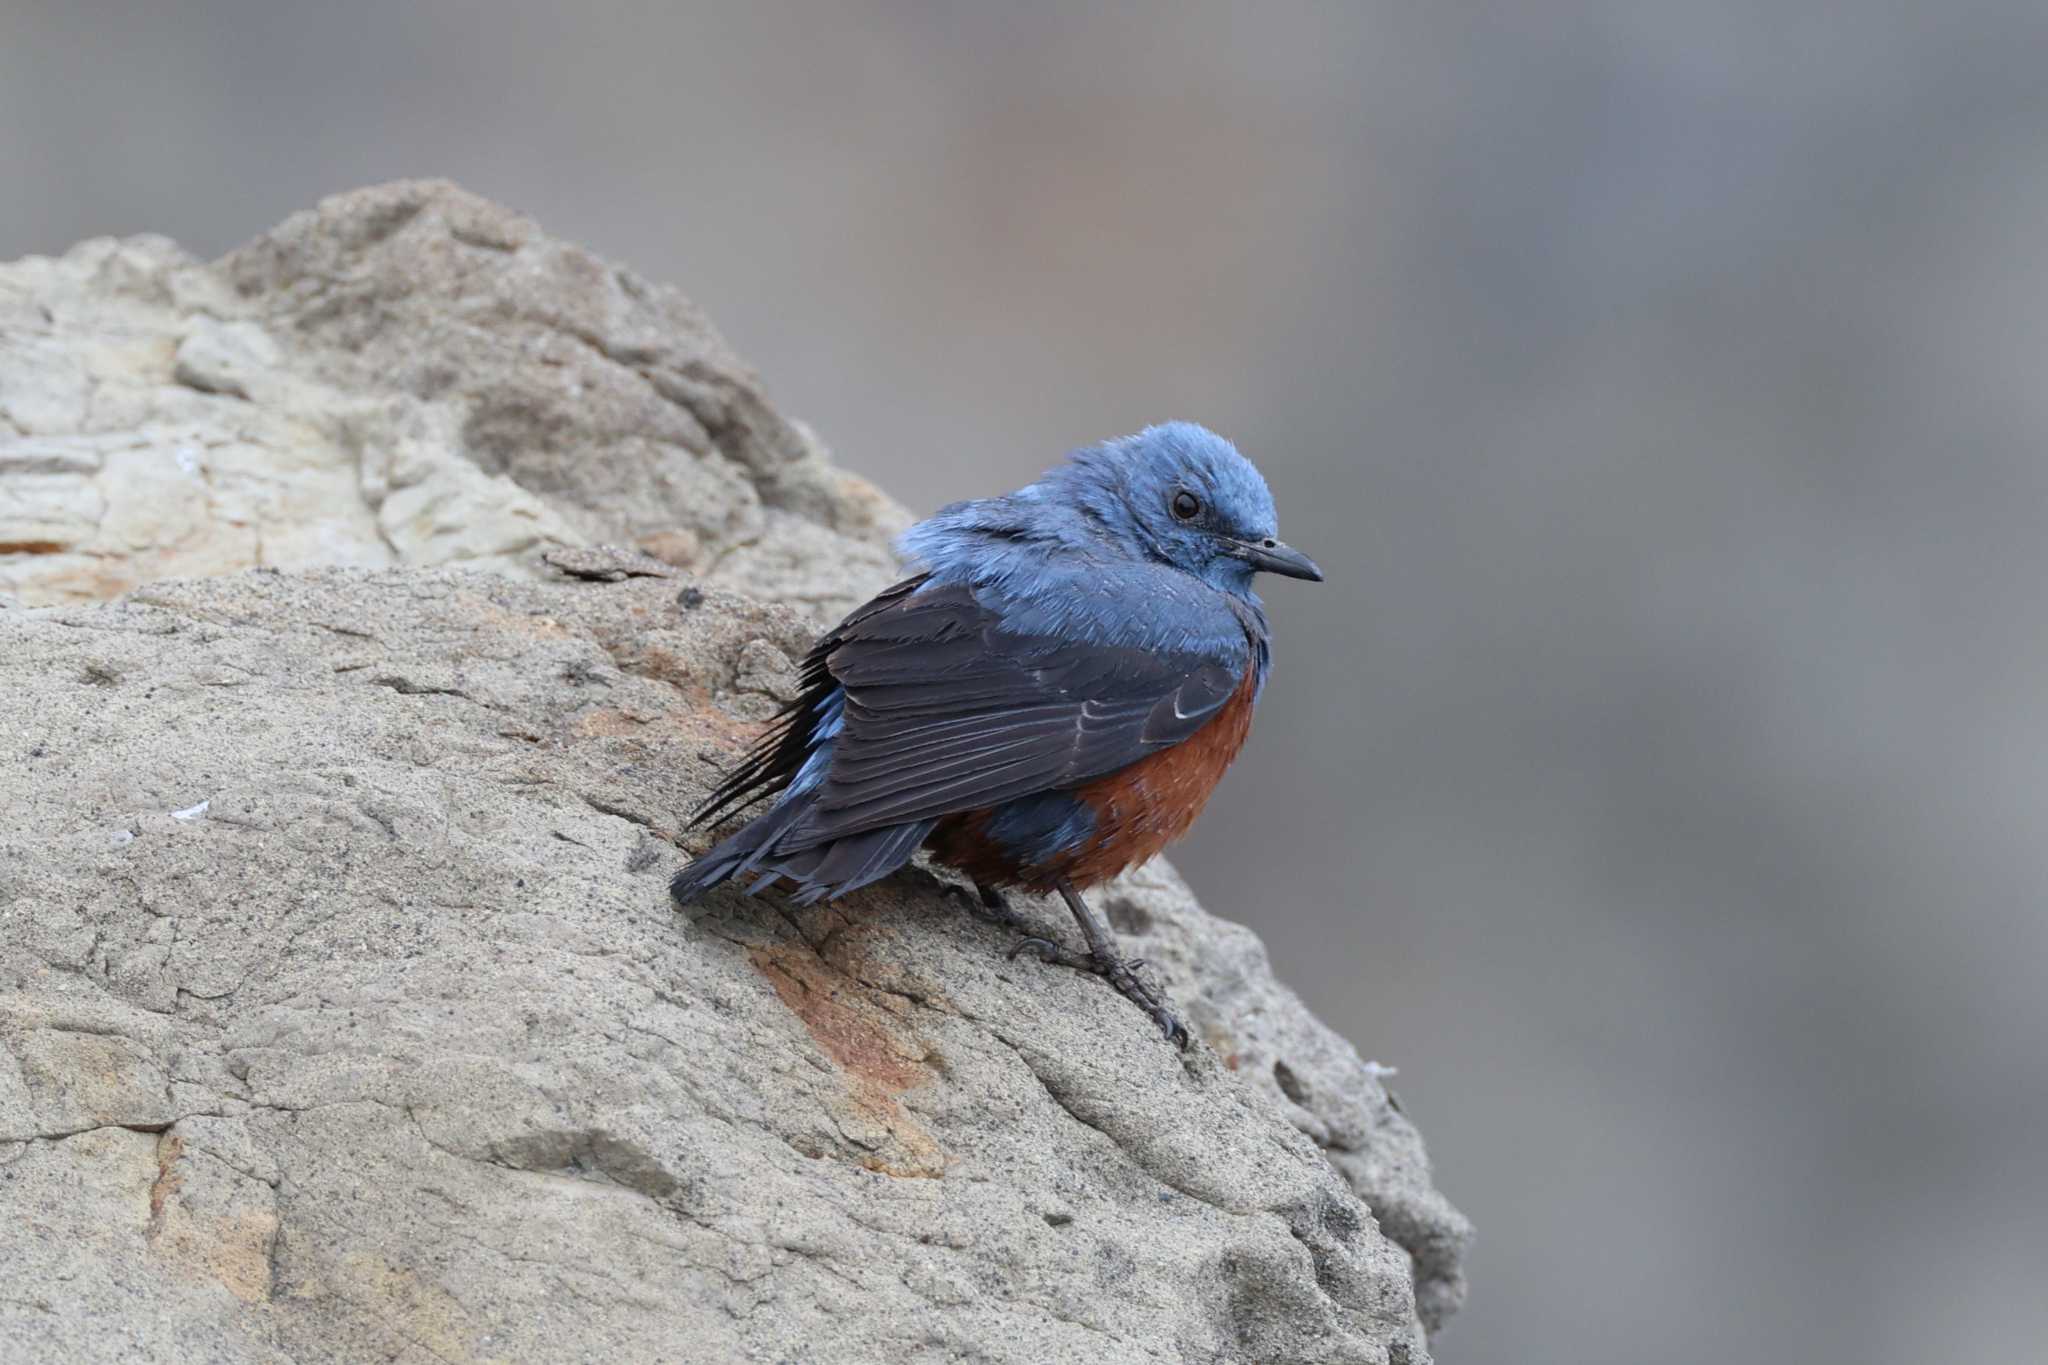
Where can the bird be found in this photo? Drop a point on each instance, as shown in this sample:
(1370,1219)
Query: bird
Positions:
(1047,700)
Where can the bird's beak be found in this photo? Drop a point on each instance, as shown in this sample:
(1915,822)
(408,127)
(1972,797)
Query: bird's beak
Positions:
(1274,556)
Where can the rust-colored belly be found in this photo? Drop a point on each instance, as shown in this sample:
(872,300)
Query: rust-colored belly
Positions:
(1139,810)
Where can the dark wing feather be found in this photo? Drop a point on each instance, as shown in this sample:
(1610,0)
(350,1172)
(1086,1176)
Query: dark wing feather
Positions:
(946,711)
(775,757)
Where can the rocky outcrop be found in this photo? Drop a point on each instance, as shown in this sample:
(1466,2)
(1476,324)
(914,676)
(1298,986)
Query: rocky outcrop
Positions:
(342,1011)
(406,375)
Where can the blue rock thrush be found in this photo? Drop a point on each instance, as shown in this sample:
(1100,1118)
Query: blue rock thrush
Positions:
(1048,701)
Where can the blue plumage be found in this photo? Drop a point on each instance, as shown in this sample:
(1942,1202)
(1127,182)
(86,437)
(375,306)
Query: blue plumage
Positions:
(1091,552)
(1037,829)
(1050,637)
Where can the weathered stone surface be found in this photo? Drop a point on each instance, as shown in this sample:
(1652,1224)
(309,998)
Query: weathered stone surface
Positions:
(404,375)
(342,1011)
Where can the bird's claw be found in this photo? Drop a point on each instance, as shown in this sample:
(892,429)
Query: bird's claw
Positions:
(1048,951)
(1119,972)
(1124,977)
(1169,1024)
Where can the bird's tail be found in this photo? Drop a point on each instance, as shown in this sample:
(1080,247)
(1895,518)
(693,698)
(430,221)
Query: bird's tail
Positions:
(740,853)
(817,871)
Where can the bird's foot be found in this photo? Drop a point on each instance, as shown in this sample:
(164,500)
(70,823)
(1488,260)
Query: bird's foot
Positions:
(1121,973)
(1048,951)
(1124,976)
(988,905)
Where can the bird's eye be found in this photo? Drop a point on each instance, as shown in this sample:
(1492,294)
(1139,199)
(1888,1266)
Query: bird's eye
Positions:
(1186,506)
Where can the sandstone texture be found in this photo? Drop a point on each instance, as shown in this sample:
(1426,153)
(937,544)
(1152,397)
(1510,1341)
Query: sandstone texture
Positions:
(343,1015)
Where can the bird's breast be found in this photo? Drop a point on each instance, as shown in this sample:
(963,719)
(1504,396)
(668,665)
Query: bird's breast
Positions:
(1141,809)
(1136,811)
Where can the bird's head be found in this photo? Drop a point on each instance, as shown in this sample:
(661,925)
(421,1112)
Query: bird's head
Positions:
(1181,494)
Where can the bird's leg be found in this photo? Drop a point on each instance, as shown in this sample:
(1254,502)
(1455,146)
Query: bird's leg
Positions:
(1104,960)
(989,906)
(995,909)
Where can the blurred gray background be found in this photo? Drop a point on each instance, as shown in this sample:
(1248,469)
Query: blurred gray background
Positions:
(1659,779)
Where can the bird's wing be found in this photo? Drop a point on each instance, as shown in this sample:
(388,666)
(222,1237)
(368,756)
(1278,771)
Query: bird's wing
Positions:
(946,710)
(776,757)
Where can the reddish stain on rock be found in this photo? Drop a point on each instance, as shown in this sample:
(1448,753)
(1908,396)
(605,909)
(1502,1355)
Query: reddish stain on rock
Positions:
(876,1058)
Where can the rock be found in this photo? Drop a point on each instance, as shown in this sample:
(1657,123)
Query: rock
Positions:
(342,1009)
(394,1038)
(607,564)
(405,375)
